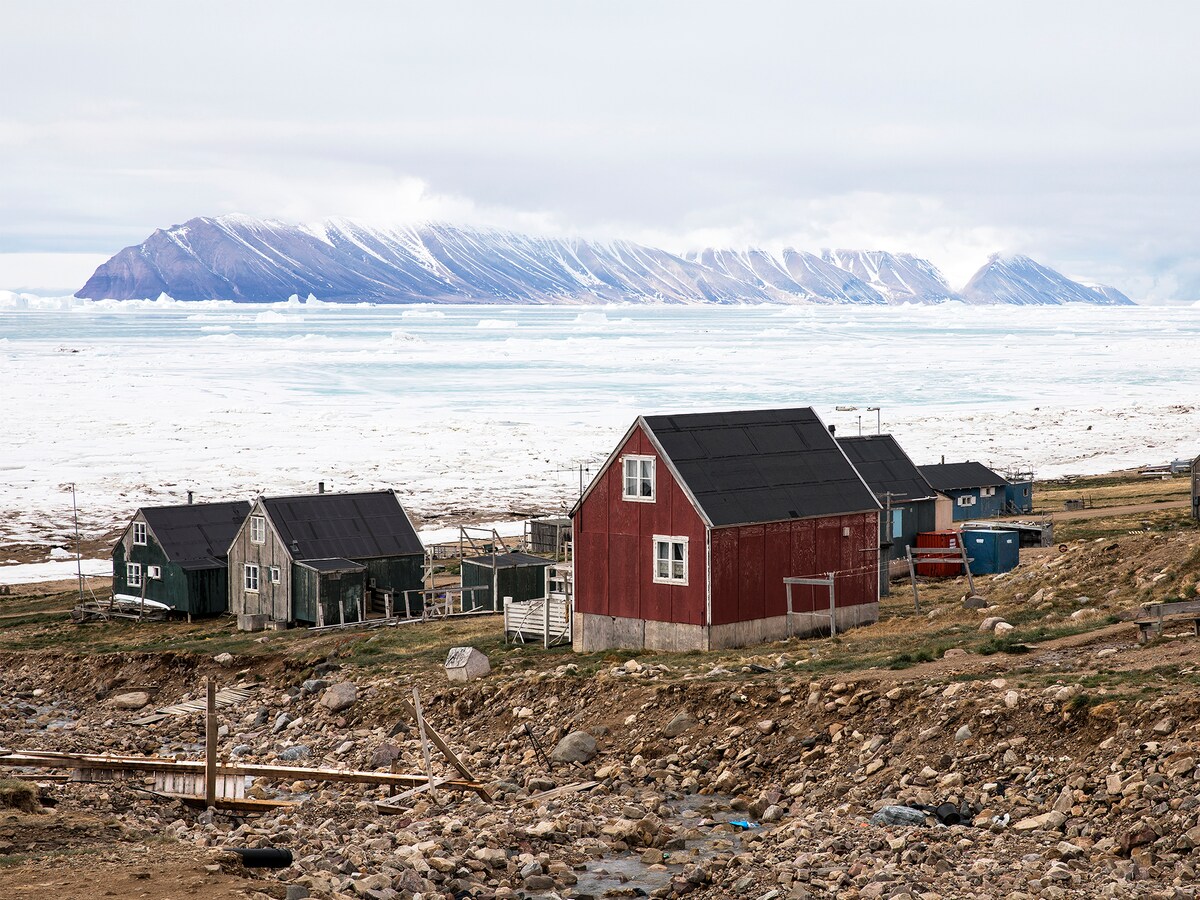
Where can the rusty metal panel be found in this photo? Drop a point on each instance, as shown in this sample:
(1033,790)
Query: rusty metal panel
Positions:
(724,576)
(804,564)
(751,572)
(777,564)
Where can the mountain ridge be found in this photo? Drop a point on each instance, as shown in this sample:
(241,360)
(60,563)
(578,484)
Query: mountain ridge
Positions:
(237,257)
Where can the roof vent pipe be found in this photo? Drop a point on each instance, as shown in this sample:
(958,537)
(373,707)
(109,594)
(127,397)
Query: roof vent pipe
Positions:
(943,459)
(190,498)
(320,487)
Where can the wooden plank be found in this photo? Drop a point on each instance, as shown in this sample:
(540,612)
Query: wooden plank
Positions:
(287,773)
(210,744)
(561,790)
(424,743)
(450,755)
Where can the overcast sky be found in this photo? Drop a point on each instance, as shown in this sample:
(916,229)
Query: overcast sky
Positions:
(1065,130)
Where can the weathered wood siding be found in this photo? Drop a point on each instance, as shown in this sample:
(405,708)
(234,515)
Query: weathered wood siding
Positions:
(272,600)
(614,549)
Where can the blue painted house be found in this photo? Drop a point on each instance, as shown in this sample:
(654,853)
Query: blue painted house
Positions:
(977,491)
(1018,493)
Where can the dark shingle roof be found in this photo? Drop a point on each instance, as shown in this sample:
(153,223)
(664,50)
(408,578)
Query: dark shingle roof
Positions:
(196,535)
(350,526)
(886,468)
(960,476)
(763,465)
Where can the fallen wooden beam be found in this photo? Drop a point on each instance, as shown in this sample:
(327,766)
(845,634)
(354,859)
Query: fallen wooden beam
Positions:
(55,760)
(560,791)
(438,741)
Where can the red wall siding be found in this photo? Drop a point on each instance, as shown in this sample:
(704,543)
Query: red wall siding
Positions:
(750,562)
(614,547)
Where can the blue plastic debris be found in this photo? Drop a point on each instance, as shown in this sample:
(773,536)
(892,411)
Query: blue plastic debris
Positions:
(743,824)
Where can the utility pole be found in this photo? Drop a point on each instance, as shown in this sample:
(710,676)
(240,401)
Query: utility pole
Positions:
(78,544)
(878,418)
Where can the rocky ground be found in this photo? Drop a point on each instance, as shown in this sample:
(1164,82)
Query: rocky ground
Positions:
(1071,751)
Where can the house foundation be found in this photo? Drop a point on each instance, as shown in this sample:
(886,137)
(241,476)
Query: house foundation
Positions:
(594,632)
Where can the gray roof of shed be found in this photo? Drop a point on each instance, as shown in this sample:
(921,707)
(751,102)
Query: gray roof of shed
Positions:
(961,476)
(763,465)
(196,535)
(886,468)
(336,564)
(509,560)
(350,526)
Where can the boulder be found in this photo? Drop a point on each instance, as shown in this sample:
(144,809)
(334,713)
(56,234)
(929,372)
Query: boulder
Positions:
(223,659)
(339,696)
(466,664)
(990,623)
(1002,629)
(578,746)
(131,700)
(385,754)
(291,754)
(682,721)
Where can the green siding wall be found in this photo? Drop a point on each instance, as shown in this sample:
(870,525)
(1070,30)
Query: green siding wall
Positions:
(202,592)
(398,574)
(518,582)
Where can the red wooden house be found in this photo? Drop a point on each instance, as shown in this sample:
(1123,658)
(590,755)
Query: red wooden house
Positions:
(684,538)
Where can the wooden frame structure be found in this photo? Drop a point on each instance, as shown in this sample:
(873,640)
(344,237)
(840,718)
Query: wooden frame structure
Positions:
(828,582)
(941,554)
(549,617)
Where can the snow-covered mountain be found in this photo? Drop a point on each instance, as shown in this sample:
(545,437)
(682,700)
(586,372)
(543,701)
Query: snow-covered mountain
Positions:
(792,277)
(1021,281)
(257,260)
(899,277)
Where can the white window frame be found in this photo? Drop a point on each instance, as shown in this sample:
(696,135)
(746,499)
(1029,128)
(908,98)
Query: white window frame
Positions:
(250,578)
(258,529)
(671,542)
(139,534)
(640,479)
(273,574)
(154,573)
(966,500)
(133,574)
(988,492)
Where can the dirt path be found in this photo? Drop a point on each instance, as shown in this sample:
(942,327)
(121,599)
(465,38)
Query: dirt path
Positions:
(1100,512)
(1000,663)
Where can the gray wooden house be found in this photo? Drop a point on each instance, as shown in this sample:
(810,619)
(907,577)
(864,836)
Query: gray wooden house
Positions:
(176,556)
(323,559)
(977,491)
(910,504)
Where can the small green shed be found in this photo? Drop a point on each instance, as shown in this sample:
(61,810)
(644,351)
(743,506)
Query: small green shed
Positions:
(329,591)
(498,575)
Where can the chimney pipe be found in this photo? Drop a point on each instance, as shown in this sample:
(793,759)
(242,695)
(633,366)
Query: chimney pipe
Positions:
(189,498)
(833,430)
(943,459)
(320,487)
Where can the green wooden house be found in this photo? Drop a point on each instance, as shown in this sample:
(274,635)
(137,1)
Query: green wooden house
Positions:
(175,556)
(324,559)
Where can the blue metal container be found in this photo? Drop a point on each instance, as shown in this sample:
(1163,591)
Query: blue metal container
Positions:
(991,551)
